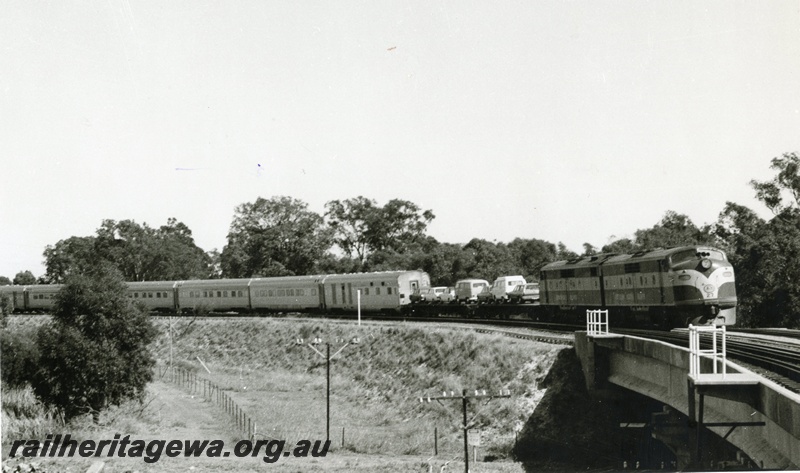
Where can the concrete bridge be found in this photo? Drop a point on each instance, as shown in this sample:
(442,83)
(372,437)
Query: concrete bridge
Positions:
(755,415)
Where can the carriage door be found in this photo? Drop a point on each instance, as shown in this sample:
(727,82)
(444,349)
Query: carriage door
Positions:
(321,289)
(414,284)
(350,293)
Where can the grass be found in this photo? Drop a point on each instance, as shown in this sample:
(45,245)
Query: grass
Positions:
(375,387)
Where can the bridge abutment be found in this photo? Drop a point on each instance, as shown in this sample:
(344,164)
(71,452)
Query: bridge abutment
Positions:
(711,422)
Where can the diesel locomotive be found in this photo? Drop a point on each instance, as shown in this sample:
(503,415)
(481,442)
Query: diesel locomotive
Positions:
(663,287)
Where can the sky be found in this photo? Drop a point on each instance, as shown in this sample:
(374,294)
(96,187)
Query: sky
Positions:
(569,121)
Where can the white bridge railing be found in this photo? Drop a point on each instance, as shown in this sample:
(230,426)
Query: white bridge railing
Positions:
(597,322)
(716,352)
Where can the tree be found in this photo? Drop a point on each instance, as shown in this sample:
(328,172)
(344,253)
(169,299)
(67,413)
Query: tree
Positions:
(94,352)
(621,246)
(736,230)
(350,221)
(490,260)
(768,274)
(361,227)
(74,255)
(673,230)
(180,257)
(787,181)
(24,278)
(274,237)
(4,281)
(531,255)
(140,252)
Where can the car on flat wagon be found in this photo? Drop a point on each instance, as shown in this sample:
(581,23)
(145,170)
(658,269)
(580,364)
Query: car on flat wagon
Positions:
(524,293)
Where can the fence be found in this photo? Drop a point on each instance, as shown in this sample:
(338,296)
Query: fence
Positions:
(244,424)
(597,322)
(717,352)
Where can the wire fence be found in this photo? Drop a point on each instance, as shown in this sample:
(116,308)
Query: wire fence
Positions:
(212,392)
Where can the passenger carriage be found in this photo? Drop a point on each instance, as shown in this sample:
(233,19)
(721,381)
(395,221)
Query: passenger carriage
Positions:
(15,295)
(40,298)
(155,295)
(289,293)
(380,291)
(214,295)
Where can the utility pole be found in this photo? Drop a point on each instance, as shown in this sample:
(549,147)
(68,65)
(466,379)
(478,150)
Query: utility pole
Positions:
(465,397)
(328,357)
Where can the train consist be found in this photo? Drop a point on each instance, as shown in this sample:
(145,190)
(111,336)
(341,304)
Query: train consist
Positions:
(663,288)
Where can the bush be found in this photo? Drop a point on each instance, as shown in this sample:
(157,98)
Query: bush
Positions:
(94,353)
(20,358)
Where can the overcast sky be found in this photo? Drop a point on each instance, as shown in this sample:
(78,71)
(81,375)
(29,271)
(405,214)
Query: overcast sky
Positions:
(572,121)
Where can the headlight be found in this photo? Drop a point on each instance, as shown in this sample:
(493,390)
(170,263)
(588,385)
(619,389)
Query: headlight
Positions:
(706,263)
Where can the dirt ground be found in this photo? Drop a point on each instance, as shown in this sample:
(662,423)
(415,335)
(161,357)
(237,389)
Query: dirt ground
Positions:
(173,413)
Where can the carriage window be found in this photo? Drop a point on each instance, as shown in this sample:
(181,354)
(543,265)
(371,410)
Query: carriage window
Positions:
(389,291)
(158,295)
(377,291)
(366,290)
(313,292)
(281,292)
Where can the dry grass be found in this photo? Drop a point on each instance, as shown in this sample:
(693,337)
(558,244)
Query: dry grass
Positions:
(375,389)
(375,385)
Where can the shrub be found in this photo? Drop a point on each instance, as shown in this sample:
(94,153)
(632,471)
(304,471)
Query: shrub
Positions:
(94,353)
(20,358)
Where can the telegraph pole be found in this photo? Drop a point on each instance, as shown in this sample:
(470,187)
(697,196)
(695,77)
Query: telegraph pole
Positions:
(328,357)
(465,397)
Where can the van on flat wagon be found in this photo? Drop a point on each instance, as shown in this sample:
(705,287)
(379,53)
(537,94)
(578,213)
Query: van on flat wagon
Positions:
(467,290)
(505,284)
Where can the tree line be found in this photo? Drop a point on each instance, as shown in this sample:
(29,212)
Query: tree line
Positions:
(280,236)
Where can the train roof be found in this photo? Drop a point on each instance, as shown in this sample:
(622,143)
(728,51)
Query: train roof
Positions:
(582,262)
(371,275)
(611,258)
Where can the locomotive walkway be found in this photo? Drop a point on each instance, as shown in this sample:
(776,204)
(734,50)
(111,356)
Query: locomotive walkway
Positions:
(706,398)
